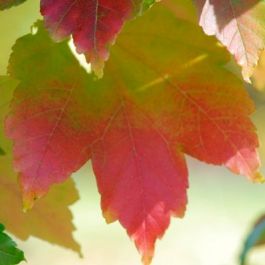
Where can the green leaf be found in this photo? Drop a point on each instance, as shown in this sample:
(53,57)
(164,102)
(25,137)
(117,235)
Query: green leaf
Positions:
(255,238)
(9,254)
(146,4)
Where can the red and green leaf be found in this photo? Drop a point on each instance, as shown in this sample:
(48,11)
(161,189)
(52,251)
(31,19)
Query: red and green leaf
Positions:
(155,104)
(51,219)
(93,24)
(239,25)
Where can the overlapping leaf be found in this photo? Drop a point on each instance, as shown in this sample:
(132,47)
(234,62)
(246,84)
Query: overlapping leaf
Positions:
(164,94)
(4,4)
(50,219)
(239,25)
(93,24)
(9,253)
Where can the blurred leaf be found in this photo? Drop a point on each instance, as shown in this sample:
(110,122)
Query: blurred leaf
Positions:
(9,254)
(255,238)
(14,23)
(50,219)
(4,4)
(239,25)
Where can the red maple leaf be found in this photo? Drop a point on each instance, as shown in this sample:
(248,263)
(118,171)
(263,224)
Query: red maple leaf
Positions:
(94,24)
(135,124)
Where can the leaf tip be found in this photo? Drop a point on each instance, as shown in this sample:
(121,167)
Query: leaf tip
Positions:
(27,205)
(97,69)
(258,178)
(80,254)
(97,64)
(29,200)
(110,216)
(147,258)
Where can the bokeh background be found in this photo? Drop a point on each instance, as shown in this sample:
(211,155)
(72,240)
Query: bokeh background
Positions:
(221,211)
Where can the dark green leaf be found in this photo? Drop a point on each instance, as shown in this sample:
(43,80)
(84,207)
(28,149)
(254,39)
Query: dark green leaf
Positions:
(9,254)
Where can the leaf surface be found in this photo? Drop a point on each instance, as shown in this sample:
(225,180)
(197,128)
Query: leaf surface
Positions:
(155,103)
(50,219)
(255,238)
(93,24)
(258,77)
(9,253)
(4,4)
(239,25)
(2,152)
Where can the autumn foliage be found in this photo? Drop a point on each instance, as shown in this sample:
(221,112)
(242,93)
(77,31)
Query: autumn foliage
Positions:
(159,89)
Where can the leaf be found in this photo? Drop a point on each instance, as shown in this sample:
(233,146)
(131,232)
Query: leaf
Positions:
(50,219)
(184,10)
(9,253)
(155,103)
(6,96)
(93,24)
(239,25)
(4,4)
(255,238)
(258,119)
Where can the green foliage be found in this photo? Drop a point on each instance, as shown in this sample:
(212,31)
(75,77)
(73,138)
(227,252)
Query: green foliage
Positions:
(9,253)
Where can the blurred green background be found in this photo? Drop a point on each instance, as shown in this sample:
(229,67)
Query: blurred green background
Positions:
(222,207)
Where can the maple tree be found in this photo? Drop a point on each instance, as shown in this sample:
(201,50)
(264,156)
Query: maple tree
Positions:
(154,105)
